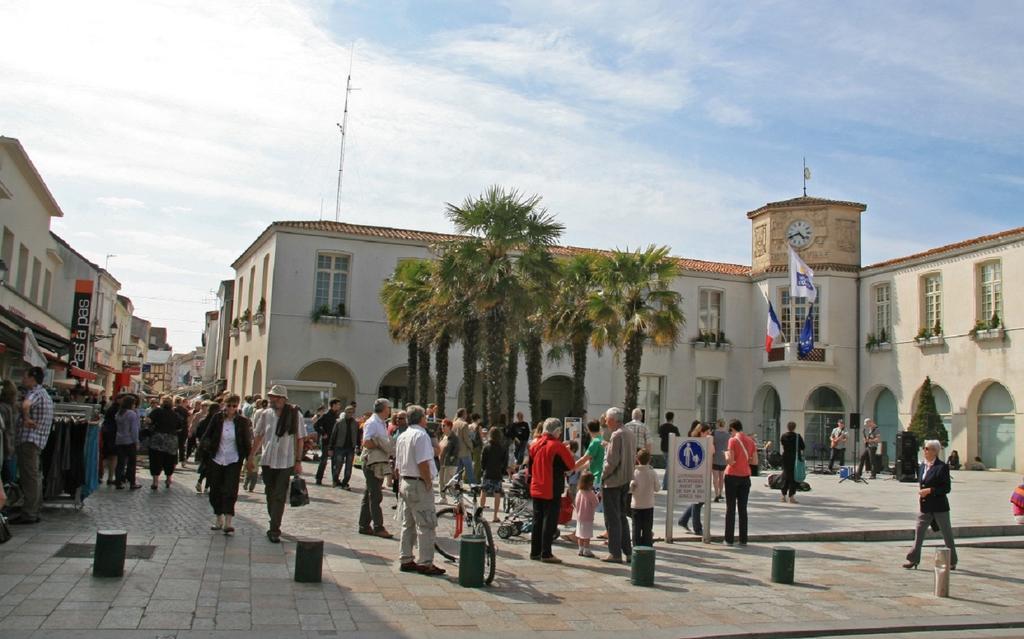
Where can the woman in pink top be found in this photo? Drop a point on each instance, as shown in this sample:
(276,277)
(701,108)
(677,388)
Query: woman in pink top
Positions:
(741,453)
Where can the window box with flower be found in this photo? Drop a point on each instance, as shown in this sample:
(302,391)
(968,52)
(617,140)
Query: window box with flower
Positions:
(710,340)
(235,324)
(878,343)
(930,336)
(260,318)
(324,314)
(988,331)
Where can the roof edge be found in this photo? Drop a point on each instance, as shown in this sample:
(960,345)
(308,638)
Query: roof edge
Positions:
(1007,234)
(21,156)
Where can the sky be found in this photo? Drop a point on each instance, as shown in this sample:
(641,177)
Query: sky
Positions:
(173,133)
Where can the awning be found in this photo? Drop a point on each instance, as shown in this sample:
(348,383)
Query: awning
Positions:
(80,374)
(105,368)
(70,383)
(12,333)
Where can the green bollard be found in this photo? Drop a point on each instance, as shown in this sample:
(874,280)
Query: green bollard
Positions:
(642,567)
(783,561)
(471,561)
(108,559)
(309,560)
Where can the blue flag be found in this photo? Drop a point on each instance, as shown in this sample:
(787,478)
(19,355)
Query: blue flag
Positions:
(806,343)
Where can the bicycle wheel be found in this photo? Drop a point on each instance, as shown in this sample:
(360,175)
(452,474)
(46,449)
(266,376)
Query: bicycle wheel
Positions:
(446,542)
(490,554)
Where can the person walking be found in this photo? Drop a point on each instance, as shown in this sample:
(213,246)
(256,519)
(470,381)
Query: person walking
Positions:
(460,428)
(34,426)
(345,440)
(666,429)
(279,437)
(377,451)
(476,435)
(741,453)
(163,441)
(493,463)
(642,488)
(324,427)
(449,458)
(935,485)
(228,442)
(127,443)
(181,410)
(549,460)
(108,443)
(720,438)
(414,459)
(202,457)
(792,449)
(519,431)
(615,477)
(252,474)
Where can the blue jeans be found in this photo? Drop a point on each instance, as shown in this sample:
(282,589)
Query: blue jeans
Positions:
(693,510)
(467,463)
(342,456)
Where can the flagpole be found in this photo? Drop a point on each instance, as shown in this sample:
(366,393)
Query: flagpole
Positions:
(804,173)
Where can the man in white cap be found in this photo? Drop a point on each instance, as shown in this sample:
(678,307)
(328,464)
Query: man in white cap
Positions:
(279,433)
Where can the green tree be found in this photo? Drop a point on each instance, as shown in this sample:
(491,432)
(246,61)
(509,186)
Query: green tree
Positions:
(926,423)
(508,241)
(571,327)
(635,303)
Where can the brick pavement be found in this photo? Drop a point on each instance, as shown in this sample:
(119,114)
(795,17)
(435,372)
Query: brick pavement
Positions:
(198,581)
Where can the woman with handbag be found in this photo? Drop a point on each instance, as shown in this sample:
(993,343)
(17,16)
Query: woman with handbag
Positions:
(792,455)
(226,444)
(740,455)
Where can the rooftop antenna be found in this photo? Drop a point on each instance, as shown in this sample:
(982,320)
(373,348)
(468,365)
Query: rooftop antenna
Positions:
(807,176)
(343,126)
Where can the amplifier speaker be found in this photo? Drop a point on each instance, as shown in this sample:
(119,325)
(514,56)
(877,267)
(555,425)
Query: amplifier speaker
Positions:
(906,457)
(854,421)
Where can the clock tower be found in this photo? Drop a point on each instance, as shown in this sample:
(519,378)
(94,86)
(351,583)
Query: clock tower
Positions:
(826,234)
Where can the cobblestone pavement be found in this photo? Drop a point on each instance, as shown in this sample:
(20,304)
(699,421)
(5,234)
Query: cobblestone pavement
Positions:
(198,581)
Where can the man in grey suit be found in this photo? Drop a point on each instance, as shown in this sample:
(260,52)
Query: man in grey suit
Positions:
(615,478)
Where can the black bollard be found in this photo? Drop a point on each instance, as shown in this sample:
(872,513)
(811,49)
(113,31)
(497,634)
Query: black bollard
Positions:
(309,560)
(108,559)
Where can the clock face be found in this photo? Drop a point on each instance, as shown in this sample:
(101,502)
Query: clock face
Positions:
(799,233)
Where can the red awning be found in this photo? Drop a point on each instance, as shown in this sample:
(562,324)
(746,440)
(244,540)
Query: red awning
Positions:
(80,374)
(105,368)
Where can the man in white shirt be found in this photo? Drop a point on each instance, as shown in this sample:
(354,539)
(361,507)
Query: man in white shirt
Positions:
(376,449)
(837,440)
(639,430)
(279,431)
(414,459)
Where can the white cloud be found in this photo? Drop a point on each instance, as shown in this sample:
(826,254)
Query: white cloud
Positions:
(121,203)
(728,114)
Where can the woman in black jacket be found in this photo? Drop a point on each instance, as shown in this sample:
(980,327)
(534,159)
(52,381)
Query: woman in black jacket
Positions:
(935,485)
(227,443)
(792,447)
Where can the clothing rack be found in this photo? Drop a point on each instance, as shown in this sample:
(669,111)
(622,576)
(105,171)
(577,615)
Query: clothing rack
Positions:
(70,460)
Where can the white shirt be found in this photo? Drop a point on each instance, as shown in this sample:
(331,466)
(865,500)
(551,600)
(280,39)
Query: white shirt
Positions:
(374,427)
(412,449)
(278,452)
(227,453)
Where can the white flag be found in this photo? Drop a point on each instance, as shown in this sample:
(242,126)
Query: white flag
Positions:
(801,278)
(33,354)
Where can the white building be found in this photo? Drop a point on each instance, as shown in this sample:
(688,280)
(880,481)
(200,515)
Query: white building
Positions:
(294,268)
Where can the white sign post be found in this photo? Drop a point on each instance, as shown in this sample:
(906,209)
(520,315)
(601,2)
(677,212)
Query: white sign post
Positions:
(574,430)
(688,465)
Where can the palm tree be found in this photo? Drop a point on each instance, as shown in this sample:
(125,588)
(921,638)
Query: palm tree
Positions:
(509,240)
(405,295)
(570,326)
(453,296)
(635,304)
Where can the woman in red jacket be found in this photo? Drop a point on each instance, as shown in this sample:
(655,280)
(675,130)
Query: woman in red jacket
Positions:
(549,460)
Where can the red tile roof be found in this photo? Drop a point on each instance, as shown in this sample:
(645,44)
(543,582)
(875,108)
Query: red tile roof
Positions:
(950,247)
(384,232)
(803,200)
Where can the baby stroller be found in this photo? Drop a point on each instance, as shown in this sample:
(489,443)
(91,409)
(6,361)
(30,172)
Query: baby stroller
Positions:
(518,508)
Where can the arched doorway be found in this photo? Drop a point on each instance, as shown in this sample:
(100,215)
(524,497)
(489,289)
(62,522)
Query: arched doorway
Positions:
(555,397)
(768,408)
(886,414)
(478,395)
(945,410)
(395,387)
(996,439)
(330,371)
(822,410)
(257,379)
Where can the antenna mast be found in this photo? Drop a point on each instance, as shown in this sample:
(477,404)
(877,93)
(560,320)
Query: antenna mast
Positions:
(343,125)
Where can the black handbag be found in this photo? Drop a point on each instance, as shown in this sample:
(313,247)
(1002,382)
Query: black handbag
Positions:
(5,530)
(298,493)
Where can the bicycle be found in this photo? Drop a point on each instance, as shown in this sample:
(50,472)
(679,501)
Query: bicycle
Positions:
(464,517)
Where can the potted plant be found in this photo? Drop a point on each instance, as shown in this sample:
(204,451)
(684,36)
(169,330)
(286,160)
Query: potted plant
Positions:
(990,330)
(235,327)
(245,323)
(321,312)
(871,342)
(341,310)
(260,319)
(930,336)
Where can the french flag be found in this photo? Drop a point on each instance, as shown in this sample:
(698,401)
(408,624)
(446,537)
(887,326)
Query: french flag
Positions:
(774,328)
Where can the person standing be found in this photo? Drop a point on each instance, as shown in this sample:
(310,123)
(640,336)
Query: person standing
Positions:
(642,488)
(127,443)
(163,441)
(324,427)
(720,438)
(615,477)
(870,454)
(181,410)
(934,503)
(229,441)
(344,442)
(108,443)
(34,426)
(414,459)
(639,430)
(666,429)
(792,449)
(741,453)
(449,458)
(200,432)
(549,459)
(837,440)
(493,463)
(476,435)
(8,396)
(280,438)
(460,428)
(377,451)
(520,434)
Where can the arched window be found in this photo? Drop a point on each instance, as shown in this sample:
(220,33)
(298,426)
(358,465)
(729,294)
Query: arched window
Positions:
(945,410)
(823,409)
(995,428)
(887,416)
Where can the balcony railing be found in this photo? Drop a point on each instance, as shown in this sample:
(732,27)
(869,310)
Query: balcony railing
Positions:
(788,354)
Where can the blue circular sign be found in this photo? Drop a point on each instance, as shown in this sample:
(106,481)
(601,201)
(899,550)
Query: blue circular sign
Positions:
(691,455)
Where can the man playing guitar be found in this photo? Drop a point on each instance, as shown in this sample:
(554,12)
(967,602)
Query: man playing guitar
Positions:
(871,441)
(838,442)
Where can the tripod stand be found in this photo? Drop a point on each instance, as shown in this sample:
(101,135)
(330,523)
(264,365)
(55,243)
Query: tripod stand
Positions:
(855,429)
